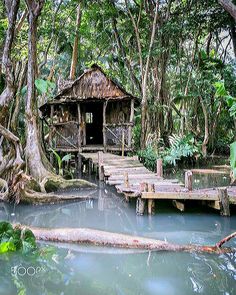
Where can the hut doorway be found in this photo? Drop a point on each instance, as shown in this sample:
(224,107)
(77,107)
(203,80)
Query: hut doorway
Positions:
(94,123)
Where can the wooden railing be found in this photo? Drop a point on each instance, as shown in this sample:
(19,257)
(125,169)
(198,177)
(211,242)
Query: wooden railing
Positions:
(66,135)
(118,134)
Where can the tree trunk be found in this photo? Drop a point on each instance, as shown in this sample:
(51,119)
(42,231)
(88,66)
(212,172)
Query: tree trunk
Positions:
(33,150)
(206,128)
(9,92)
(144,103)
(110,239)
(74,60)
(16,111)
(229,7)
(124,55)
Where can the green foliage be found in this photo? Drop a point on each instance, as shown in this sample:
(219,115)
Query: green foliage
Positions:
(222,92)
(60,160)
(181,148)
(15,239)
(148,157)
(233,158)
(137,131)
(220,89)
(44,86)
(186,64)
(7,247)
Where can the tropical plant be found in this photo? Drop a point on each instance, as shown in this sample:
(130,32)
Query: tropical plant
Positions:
(15,239)
(180,148)
(43,87)
(233,159)
(148,156)
(60,160)
(230,100)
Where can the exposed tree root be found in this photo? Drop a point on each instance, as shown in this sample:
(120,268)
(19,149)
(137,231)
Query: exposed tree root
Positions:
(109,239)
(54,182)
(36,198)
(19,186)
(4,190)
(26,189)
(12,160)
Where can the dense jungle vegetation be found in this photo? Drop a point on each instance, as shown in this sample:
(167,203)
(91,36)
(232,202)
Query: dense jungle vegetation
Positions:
(176,57)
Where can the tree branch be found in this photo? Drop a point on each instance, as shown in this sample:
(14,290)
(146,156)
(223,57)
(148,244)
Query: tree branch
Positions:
(226,239)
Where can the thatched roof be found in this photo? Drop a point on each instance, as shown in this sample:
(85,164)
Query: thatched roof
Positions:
(93,84)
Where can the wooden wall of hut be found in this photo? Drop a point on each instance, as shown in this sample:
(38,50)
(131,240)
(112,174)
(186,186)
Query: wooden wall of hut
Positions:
(118,112)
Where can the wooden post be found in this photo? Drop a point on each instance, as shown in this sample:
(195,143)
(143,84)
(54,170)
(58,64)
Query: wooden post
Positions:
(104,126)
(78,165)
(126,179)
(90,166)
(179,205)
(50,132)
(123,143)
(79,122)
(188,180)
(83,126)
(224,201)
(131,121)
(151,203)
(101,200)
(159,168)
(140,203)
(100,166)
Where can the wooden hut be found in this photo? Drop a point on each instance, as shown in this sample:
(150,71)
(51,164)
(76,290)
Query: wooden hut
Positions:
(93,114)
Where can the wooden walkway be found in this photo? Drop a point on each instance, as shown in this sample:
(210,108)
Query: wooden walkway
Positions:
(133,180)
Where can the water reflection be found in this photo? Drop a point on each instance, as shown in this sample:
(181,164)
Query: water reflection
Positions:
(72,269)
(79,273)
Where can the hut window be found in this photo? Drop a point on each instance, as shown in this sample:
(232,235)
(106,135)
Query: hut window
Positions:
(89,118)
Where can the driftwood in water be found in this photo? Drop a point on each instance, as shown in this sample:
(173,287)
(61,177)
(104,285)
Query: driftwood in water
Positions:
(109,239)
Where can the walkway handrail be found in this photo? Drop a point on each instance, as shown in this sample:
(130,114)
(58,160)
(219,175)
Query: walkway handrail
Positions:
(70,143)
(116,136)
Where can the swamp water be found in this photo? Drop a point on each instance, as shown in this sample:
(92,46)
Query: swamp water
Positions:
(84,270)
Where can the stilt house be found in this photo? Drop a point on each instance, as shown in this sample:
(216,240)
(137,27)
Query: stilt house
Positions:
(93,114)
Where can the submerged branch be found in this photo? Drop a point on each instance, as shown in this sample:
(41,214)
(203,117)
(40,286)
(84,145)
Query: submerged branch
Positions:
(226,239)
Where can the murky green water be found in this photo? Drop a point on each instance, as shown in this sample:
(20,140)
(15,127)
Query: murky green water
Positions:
(88,270)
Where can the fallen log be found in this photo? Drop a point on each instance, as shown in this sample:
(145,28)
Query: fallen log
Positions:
(110,239)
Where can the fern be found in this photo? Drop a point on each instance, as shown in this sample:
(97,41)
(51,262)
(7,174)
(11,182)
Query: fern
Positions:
(180,148)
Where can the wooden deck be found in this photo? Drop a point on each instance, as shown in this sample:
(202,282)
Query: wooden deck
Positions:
(133,180)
